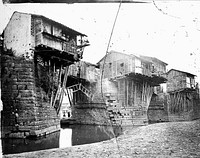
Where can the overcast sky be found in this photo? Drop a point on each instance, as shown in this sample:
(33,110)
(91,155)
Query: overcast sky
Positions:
(167,30)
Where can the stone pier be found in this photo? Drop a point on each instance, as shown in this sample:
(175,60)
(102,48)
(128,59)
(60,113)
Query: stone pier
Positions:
(26,110)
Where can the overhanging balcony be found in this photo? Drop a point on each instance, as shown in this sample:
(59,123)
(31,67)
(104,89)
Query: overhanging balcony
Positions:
(54,42)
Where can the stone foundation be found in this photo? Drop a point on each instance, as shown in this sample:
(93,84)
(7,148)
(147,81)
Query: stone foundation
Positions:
(128,116)
(157,114)
(157,111)
(90,113)
(26,108)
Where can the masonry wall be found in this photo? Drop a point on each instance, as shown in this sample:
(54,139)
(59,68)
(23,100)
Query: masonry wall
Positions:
(157,111)
(26,109)
(91,113)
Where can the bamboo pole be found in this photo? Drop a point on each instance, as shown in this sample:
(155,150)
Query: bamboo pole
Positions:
(177,102)
(62,89)
(175,99)
(191,104)
(143,92)
(135,94)
(146,91)
(168,103)
(131,92)
(172,103)
(127,84)
(59,86)
(184,102)
(169,99)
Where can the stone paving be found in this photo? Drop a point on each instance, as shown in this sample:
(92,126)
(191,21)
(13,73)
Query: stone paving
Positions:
(161,140)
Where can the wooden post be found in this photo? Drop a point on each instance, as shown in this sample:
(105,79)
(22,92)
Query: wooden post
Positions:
(127,81)
(132,91)
(135,94)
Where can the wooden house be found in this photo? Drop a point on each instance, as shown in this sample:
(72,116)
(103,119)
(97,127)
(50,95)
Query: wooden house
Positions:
(37,52)
(183,97)
(158,66)
(180,80)
(37,33)
(157,111)
(129,86)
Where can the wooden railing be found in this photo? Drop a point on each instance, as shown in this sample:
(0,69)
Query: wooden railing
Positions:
(55,42)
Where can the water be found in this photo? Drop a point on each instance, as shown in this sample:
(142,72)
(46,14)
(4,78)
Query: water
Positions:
(66,137)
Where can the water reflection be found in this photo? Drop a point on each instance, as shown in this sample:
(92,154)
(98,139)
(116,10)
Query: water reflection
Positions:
(11,146)
(67,136)
(90,134)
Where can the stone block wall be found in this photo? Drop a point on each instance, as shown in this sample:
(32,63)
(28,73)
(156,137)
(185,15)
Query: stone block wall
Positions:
(128,116)
(157,114)
(26,109)
(157,111)
(90,113)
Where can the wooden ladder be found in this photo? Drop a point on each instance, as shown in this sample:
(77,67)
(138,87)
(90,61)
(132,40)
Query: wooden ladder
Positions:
(80,87)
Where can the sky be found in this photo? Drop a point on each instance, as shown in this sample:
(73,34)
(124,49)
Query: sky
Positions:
(167,30)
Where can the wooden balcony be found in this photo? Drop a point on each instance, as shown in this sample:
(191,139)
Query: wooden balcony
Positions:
(54,42)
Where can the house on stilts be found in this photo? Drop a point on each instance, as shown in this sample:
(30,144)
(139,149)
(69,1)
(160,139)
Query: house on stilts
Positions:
(128,83)
(37,53)
(183,96)
(157,111)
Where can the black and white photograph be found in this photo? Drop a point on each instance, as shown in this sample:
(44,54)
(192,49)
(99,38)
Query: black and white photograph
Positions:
(100,78)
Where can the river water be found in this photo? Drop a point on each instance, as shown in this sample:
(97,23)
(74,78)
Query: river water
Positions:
(66,137)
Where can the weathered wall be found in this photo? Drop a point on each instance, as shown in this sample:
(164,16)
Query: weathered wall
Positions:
(157,111)
(128,116)
(158,65)
(23,97)
(117,64)
(17,35)
(91,113)
(178,80)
